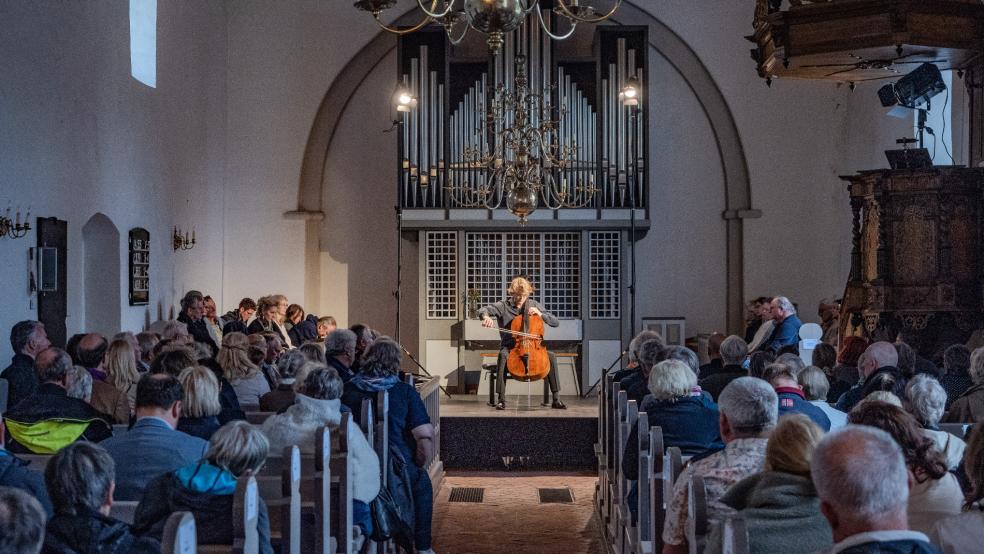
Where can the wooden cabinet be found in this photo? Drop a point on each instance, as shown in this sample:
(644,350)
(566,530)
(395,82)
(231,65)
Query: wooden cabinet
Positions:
(139,253)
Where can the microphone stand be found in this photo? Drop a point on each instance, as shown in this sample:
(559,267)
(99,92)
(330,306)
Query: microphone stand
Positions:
(605,373)
(422,368)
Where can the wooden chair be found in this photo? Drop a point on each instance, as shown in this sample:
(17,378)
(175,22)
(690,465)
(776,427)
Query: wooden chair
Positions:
(734,533)
(179,535)
(257,418)
(697,523)
(245,514)
(341,484)
(959,430)
(282,494)
(124,510)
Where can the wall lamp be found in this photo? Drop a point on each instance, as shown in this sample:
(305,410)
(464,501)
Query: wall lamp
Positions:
(14,228)
(183,241)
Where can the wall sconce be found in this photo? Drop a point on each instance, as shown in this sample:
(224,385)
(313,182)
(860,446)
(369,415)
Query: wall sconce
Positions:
(183,241)
(13,228)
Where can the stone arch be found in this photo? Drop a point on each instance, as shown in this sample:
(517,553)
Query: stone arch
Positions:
(662,40)
(101,275)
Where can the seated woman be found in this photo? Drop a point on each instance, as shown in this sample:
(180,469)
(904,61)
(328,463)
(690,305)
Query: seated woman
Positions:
(317,404)
(206,488)
(246,379)
(201,405)
(289,370)
(935,493)
(780,505)
(925,399)
(410,430)
(965,532)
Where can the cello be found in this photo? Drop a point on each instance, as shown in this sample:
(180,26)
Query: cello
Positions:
(528,360)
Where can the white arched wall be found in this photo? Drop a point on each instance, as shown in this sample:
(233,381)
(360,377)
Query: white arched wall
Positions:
(101,275)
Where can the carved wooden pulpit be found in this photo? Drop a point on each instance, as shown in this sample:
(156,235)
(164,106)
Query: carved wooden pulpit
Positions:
(916,263)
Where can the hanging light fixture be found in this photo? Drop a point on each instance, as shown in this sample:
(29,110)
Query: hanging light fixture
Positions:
(494,18)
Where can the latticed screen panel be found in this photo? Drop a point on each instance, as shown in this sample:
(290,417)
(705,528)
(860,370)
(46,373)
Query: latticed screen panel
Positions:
(550,260)
(442,275)
(605,282)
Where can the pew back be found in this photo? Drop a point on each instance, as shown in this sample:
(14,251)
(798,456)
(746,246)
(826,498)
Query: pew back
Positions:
(179,534)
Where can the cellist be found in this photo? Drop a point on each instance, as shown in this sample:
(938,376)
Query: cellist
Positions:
(500,315)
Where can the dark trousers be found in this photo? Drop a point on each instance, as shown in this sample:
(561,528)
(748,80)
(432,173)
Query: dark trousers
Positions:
(553,378)
(423,506)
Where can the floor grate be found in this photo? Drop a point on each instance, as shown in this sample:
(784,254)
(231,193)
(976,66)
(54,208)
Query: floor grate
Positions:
(556,496)
(465,494)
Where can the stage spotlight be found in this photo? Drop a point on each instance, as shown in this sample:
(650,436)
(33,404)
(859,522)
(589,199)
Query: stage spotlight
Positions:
(914,89)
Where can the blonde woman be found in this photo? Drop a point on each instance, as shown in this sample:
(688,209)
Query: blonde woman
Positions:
(121,369)
(267,318)
(244,376)
(780,505)
(201,404)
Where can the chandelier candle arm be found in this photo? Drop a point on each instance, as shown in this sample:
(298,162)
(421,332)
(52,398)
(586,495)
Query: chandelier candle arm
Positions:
(564,9)
(549,33)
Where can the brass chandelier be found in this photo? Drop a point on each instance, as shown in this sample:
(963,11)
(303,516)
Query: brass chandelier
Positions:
(495,18)
(525,154)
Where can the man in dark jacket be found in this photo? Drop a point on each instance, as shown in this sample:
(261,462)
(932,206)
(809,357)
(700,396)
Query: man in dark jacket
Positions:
(714,365)
(733,351)
(956,379)
(877,364)
(193,315)
(340,352)
(81,522)
(791,397)
(48,420)
(235,321)
(22,520)
(787,326)
(304,330)
(15,473)
(27,338)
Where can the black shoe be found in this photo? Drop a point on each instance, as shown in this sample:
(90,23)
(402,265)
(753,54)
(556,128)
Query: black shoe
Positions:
(501,405)
(558,405)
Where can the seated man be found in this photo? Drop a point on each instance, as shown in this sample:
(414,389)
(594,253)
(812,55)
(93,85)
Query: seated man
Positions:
(153,446)
(791,397)
(748,409)
(714,364)
(27,339)
(340,352)
(633,353)
(733,351)
(15,473)
(49,420)
(877,366)
(22,521)
(81,522)
(863,485)
(235,321)
(636,385)
(787,326)
(326,325)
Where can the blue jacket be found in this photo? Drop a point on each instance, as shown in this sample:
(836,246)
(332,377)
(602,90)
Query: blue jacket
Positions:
(150,449)
(14,473)
(690,423)
(785,334)
(793,401)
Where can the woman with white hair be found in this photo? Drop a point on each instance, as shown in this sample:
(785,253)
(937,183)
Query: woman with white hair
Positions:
(925,400)
(206,488)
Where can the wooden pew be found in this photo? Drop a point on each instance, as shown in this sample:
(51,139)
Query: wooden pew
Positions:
(123,510)
(245,514)
(697,522)
(601,448)
(282,494)
(959,430)
(257,418)
(627,419)
(179,534)
(619,407)
(651,507)
(735,536)
(339,476)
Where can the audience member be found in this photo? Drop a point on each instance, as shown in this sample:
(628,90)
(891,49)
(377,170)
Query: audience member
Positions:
(878,372)
(632,353)
(274,348)
(780,506)
(714,364)
(922,365)
(72,347)
(792,361)
(787,326)
(246,379)
(177,332)
(753,319)
(340,352)
(636,386)
(934,493)
(152,446)
(907,359)
(206,488)
(956,379)
(846,372)
(880,396)
(814,383)
(733,351)
(237,321)
(862,481)
(410,430)
(766,327)
(829,312)
(825,358)
(281,319)
(791,397)
(318,404)
(193,315)
(48,420)
(364,337)
(681,353)
(748,409)
(22,521)
(965,532)
(27,339)
(14,472)
(289,367)
(968,407)
(314,352)
(758,361)
(212,321)
(925,399)
(303,327)
(81,481)
(147,342)
(201,405)
(121,369)
(267,313)
(80,384)
(106,398)
(688,421)
(326,325)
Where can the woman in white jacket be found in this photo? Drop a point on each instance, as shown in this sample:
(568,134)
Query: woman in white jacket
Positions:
(317,404)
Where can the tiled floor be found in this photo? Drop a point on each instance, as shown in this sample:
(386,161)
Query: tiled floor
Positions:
(511,518)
